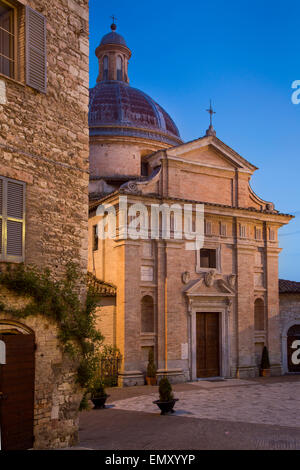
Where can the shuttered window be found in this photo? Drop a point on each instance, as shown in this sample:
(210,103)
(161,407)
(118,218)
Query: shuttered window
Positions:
(12,220)
(36,50)
(7,39)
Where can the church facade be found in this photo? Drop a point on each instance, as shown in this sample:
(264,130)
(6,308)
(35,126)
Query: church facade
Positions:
(206,312)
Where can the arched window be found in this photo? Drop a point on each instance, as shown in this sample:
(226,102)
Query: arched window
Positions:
(147,314)
(105,67)
(119,68)
(259,315)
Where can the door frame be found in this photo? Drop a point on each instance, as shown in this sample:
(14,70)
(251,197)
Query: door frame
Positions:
(213,306)
(287,326)
(219,343)
(18,329)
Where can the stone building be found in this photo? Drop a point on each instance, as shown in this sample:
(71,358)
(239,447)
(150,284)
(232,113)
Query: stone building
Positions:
(289,304)
(43,204)
(206,312)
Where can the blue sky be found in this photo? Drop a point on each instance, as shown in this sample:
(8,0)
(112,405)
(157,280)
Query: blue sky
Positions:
(244,55)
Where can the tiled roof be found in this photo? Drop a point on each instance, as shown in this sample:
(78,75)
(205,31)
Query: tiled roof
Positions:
(102,288)
(94,203)
(119,109)
(113,38)
(289,287)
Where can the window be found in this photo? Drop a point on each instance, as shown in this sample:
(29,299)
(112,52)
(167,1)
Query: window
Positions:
(7,40)
(271,234)
(258,233)
(12,220)
(144,168)
(242,229)
(223,229)
(259,315)
(147,314)
(208,228)
(208,258)
(95,238)
(16,59)
(105,67)
(119,68)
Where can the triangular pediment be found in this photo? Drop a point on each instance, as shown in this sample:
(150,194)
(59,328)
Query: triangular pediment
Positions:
(211,284)
(210,151)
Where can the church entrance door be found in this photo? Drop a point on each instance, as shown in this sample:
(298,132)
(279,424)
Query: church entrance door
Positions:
(208,344)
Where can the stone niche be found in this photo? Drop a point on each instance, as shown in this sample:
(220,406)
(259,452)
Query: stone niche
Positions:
(56,394)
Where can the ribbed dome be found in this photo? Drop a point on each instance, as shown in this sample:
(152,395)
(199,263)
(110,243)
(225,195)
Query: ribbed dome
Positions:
(113,38)
(116,109)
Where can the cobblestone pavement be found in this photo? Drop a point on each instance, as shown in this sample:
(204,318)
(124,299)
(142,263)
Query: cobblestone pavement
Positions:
(231,400)
(233,414)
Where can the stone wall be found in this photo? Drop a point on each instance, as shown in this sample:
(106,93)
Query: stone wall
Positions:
(57,397)
(44,143)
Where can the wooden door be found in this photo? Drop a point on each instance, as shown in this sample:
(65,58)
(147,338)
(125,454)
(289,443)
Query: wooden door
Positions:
(17,392)
(208,350)
(293,348)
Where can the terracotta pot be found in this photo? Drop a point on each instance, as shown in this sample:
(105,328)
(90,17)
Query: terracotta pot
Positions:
(151,380)
(99,402)
(166,406)
(265,372)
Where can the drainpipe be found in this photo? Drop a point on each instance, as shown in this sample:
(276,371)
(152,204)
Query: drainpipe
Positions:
(166,306)
(166,323)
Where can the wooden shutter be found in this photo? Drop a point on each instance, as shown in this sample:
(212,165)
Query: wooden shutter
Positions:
(1,196)
(36,50)
(14,220)
(1,237)
(1,214)
(15,200)
(14,238)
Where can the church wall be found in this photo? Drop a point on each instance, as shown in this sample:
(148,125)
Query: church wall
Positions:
(115,159)
(129,264)
(205,185)
(106,319)
(272,298)
(244,199)
(44,143)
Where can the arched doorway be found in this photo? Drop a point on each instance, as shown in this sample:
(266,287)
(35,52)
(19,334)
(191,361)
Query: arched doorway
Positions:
(17,388)
(293,348)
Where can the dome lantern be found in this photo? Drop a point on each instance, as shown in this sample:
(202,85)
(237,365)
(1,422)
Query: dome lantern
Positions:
(125,124)
(113,56)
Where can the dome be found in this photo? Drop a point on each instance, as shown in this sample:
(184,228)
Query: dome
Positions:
(116,109)
(113,38)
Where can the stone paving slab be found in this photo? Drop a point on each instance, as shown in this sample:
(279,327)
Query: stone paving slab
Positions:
(113,429)
(271,403)
(212,384)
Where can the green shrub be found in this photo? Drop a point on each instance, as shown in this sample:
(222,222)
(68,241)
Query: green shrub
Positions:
(98,389)
(151,368)
(60,301)
(165,390)
(265,361)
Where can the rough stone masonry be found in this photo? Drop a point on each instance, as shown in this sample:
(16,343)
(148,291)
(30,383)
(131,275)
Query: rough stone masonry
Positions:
(44,144)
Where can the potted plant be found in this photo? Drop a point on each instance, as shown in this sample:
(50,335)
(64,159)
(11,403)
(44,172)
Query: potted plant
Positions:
(265,368)
(151,369)
(98,395)
(166,400)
